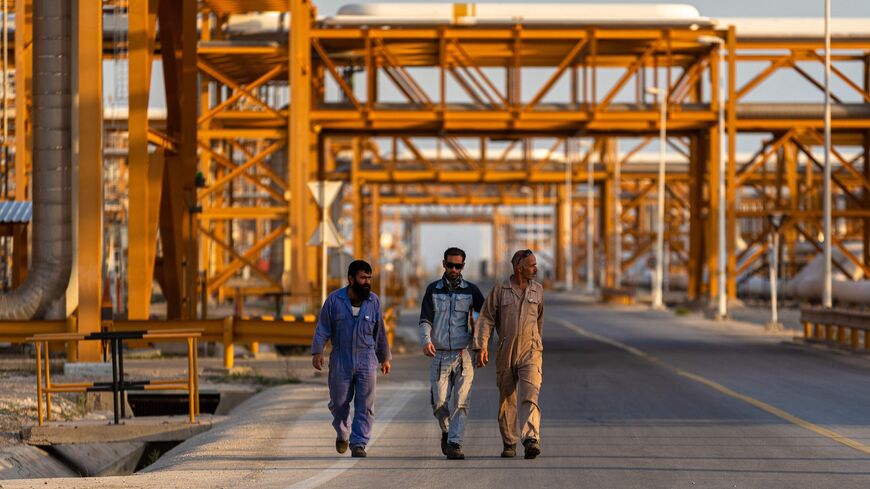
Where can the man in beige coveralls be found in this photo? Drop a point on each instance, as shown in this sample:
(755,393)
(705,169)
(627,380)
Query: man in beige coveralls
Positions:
(515,308)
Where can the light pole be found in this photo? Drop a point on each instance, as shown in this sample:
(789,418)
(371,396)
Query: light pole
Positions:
(590,225)
(657,302)
(722,302)
(775,224)
(827,300)
(567,219)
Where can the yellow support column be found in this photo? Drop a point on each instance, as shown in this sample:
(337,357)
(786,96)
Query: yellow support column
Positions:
(731,173)
(89,134)
(356,195)
(712,224)
(144,175)
(23,89)
(373,254)
(178,42)
(299,133)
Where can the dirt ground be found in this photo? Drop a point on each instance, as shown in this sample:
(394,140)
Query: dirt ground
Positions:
(18,398)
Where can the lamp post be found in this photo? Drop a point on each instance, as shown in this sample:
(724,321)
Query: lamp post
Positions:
(590,225)
(827,299)
(775,219)
(657,302)
(567,228)
(722,292)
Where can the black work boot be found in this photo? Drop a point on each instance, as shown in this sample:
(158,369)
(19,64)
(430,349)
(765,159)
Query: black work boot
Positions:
(510,451)
(359,451)
(340,445)
(454,452)
(532,448)
(444,446)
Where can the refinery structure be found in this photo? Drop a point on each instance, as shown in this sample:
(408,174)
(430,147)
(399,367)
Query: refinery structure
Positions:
(634,147)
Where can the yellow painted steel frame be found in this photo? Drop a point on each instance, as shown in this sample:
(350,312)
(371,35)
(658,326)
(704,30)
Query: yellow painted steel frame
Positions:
(89,132)
(23,90)
(45,388)
(246,121)
(793,188)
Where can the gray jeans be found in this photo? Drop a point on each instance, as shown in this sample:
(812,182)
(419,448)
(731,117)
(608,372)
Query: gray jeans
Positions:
(451,375)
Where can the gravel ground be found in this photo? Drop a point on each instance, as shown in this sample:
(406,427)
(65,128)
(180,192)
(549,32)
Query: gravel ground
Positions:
(18,398)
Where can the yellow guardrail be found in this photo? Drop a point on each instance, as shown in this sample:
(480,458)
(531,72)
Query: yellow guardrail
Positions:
(836,327)
(288,330)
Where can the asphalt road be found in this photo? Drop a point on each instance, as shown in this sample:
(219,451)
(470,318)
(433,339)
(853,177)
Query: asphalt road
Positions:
(630,398)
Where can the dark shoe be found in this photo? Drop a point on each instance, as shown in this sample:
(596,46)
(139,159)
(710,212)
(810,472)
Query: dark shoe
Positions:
(532,448)
(340,445)
(454,452)
(444,445)
(510,451)
(358,452)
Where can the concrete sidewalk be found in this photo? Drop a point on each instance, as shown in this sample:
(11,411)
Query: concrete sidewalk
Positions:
(280,436)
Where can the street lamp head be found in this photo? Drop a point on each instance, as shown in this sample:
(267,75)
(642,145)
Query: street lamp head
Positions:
(654,90)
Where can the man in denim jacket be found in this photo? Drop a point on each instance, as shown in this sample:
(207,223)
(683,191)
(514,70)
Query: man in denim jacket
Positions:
(445,334)
(351,320)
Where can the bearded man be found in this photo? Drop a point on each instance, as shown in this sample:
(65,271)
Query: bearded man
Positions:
(351,320)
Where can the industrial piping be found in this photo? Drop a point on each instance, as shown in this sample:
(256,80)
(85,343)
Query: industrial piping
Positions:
(52,194)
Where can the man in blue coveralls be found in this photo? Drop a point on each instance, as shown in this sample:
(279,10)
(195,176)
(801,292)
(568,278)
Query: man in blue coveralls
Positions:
(445,335)
(351,319)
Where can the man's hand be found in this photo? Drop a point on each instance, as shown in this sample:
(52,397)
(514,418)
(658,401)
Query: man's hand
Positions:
(429,350)
(385,367)
(482,357)
(317,361)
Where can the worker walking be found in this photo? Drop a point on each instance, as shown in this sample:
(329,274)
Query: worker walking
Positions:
(445,335)
(351,320)
(515,309)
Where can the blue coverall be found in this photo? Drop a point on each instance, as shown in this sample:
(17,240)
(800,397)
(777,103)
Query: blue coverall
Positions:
(358,346)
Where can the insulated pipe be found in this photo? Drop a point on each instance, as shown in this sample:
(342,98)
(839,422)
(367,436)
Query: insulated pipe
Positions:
(52,227)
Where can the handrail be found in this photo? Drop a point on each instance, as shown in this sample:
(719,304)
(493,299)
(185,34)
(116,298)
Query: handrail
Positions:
(118,386)
(287,330)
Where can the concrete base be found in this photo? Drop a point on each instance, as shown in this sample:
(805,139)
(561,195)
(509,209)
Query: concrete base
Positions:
(103,401)
(101,459)
(237,370)
(619,297)
(156,428)
(774,327)
(88,369)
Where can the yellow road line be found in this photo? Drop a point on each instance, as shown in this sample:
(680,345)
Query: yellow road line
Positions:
(779,413)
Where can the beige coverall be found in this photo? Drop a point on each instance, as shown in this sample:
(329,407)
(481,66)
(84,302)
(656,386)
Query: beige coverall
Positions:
(518,318)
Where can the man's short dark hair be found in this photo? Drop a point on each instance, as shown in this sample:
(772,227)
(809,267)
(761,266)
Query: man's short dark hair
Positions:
(357,266)
(453,251)
(519,256)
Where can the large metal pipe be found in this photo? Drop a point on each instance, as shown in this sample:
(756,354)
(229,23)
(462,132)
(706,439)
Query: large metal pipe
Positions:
(52,194)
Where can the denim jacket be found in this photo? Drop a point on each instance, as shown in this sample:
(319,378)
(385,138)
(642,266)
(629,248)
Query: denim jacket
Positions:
(445,315)
(357,343)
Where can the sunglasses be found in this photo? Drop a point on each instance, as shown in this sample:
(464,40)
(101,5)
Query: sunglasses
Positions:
(520,255)
(454,266)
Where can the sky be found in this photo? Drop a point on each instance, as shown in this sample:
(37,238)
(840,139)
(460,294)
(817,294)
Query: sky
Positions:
(475,238)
